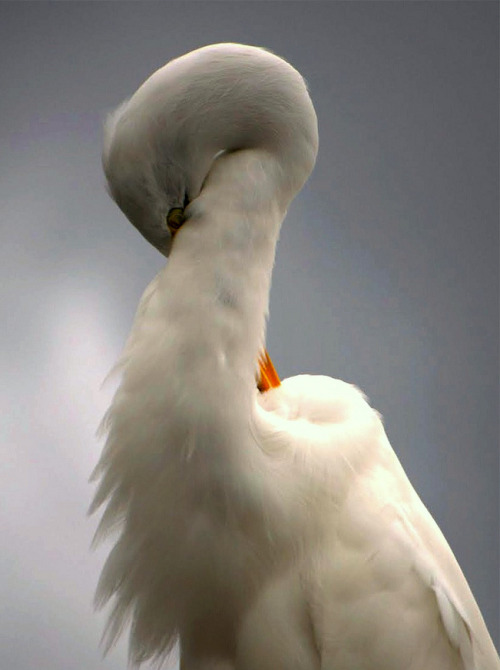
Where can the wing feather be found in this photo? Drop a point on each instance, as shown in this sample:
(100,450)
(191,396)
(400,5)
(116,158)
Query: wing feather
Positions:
(456,621)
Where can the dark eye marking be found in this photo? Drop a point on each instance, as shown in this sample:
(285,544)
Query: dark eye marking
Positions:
(175,219)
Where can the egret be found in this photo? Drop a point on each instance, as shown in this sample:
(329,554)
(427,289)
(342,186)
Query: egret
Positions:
(261,525)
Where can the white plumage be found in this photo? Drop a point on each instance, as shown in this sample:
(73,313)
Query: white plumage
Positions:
(263,530)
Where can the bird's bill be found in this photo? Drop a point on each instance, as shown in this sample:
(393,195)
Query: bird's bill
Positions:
(268,377)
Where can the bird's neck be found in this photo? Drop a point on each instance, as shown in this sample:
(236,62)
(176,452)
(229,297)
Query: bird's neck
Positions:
(217,281)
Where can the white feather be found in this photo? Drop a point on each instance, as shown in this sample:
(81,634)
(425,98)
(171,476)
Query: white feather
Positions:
(263,531)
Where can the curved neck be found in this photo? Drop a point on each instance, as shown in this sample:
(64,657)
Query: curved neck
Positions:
(161,144)
(217,281)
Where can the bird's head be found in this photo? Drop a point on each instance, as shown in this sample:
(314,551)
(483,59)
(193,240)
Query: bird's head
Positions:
(160,145)
(143,176)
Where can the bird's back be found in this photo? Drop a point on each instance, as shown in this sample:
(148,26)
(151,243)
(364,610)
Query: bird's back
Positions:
(381,586)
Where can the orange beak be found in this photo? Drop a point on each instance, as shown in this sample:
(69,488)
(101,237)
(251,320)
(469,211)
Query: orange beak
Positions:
(268,377)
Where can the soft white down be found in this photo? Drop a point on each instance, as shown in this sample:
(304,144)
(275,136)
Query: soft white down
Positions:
(263,531)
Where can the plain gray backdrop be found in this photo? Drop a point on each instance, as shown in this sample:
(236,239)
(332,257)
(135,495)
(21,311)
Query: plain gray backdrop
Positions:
(386,273)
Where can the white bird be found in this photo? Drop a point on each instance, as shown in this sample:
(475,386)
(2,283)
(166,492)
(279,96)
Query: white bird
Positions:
(262,529)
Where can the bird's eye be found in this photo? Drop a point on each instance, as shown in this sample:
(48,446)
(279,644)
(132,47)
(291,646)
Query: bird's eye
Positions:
(175,219)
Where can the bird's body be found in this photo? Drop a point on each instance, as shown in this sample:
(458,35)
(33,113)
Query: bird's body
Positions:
(264,530)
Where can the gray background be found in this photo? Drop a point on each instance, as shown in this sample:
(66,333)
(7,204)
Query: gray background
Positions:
(386,272)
